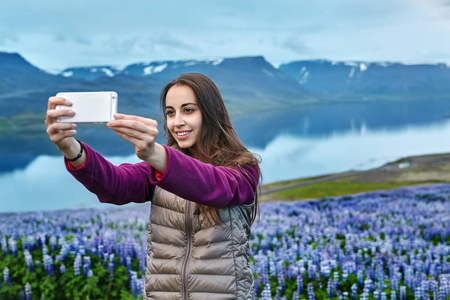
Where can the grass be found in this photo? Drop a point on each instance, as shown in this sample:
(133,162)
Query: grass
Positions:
(422,173)
(25,124)
(335,188)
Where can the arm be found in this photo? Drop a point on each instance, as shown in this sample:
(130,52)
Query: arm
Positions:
(114,184)
(62,133)
(119,185)
(206,184)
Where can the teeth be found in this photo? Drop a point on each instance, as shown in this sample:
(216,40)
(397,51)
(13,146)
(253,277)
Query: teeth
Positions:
(182,133)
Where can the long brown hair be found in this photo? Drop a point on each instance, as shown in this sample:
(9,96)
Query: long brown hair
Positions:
(220,145)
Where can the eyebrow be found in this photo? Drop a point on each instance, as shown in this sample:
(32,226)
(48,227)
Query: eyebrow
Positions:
(182,105)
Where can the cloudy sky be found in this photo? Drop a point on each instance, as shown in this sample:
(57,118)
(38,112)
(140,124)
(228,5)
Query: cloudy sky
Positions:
(55,34)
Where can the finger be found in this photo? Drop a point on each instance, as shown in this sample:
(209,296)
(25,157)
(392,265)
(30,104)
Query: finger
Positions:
(58,137)
(134,141)
(148,135)
(146,121)
(53,114)
(56,113)
(54,101)
(133,125)
(57,127)
(141,140)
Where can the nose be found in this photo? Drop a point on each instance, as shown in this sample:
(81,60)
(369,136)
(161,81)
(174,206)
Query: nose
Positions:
(179,120)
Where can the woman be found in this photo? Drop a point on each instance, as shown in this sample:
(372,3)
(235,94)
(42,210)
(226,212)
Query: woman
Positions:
(202,187)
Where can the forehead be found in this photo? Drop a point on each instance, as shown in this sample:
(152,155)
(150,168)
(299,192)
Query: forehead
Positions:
(178,95)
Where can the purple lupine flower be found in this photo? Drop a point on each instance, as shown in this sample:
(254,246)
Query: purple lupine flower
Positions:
(299,284)
(330,288)
(86,265)
(48,264)
(111,262)
(53,243)
(128,263)
(77,265)
(354,289)
(278,293)
(376,294)
(13,246)
(393,295)
(6,276)
(365,295)
(90,273)
(267,293)
(311,269)
(417,293)
(28,291)
(403,292)
(311,295)
(28,260)
(281,281)
(360,276)
(368,284)
(62,269)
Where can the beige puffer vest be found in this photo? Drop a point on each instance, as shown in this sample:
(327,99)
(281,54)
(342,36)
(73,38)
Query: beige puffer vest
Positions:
(190,259)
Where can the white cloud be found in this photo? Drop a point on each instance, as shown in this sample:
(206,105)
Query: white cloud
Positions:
(58,35)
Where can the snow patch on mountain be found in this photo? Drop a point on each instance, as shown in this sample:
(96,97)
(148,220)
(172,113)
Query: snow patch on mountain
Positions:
(265,71)
(363,67)
(217,61)
(154,69)
(67,73)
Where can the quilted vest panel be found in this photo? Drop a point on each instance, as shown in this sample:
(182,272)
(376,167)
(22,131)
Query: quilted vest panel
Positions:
(190,259)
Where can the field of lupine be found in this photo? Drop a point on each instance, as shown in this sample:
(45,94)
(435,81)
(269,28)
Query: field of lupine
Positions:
(379,245)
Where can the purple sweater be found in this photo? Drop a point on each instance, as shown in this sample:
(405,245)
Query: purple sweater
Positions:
(185,176)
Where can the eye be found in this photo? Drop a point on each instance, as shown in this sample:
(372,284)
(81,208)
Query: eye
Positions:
(169,112)
(189,110)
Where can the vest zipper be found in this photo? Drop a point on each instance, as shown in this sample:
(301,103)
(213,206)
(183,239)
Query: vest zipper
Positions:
(188,250)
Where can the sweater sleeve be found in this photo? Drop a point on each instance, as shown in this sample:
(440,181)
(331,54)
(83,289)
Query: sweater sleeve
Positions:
(114,184)
(206,184)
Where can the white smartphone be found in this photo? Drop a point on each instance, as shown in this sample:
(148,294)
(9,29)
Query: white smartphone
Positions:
(89,107)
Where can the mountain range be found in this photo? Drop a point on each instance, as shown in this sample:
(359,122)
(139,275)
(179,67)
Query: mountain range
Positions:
(371,80)
(248,85)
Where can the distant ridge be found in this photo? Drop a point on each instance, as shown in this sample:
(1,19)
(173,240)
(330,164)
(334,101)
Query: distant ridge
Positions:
(372,80)
(246,83)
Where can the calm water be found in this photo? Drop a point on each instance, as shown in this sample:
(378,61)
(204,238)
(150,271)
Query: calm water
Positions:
(292,143)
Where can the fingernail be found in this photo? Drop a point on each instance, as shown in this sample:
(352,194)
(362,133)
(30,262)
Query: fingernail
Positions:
(117,116)
(67,102)
(71,113)
(112,123)
(74,125)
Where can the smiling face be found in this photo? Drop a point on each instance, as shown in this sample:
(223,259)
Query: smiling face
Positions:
(184,118)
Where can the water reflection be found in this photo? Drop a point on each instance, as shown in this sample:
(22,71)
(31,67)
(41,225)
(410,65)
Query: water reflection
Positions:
(326,120)
(290,157)
(46,185)
(298,142)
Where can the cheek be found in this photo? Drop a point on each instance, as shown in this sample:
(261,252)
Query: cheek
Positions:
(199,122)
(169,124)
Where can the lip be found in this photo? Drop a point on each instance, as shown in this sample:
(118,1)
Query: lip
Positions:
(182,137)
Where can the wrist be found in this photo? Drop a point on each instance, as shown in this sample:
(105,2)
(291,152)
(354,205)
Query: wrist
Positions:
(79,154)
(71,149)
(158,159)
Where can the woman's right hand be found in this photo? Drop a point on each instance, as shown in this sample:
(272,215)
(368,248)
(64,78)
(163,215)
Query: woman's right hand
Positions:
(61,133)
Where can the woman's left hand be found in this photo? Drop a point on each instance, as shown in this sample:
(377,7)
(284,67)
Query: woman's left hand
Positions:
(140,132)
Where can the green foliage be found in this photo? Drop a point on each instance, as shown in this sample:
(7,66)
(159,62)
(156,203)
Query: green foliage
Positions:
(102,285)
(335,188)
